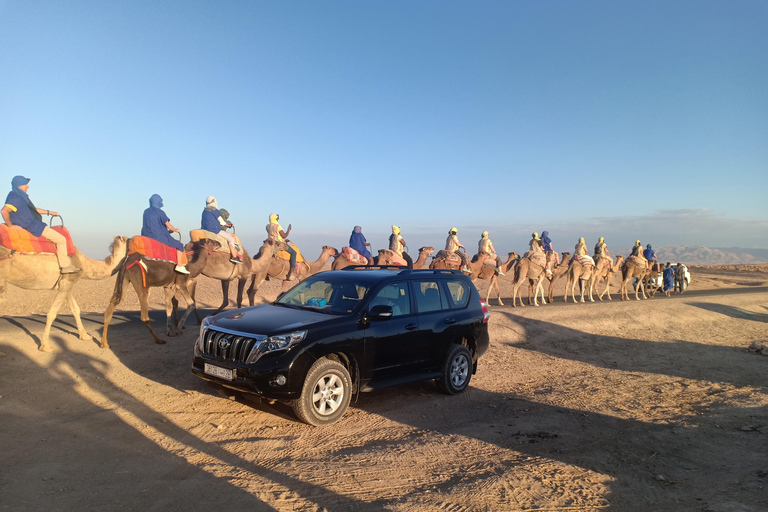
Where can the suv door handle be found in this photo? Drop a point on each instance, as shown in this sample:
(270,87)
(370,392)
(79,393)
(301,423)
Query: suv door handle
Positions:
(450,320)
(411,327)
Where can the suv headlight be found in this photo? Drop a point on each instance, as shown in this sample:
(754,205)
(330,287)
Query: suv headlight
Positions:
(207,321)
(275,343)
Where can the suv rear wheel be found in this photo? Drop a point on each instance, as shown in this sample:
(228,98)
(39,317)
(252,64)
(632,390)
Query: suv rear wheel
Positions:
(325,395)
(457,370)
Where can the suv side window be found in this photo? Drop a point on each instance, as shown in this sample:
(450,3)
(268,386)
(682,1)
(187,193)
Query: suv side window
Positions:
(458,293)
(395,295)
(428,296)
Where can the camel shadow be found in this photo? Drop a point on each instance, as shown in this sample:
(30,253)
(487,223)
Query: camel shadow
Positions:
(70,423)
(676,358)
(13,321)
(731,311)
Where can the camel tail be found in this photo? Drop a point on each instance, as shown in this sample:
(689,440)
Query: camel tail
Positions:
(117,295)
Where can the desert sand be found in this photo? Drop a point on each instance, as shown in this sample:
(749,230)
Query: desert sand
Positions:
(651,405)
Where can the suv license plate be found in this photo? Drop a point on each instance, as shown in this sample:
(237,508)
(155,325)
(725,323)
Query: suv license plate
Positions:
(221,373)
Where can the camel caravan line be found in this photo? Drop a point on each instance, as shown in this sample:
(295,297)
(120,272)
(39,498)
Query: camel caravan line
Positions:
(144,263)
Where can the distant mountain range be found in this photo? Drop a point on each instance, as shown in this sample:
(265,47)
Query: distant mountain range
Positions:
(711,256)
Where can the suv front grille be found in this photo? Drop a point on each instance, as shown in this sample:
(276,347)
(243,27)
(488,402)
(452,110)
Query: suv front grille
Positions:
(230,346)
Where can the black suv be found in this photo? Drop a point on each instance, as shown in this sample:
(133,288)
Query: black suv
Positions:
(347,331)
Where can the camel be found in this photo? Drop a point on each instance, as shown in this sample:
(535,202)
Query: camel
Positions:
(278,267)
(603,272)
(557,272)
(633,267)
(40,271)
(581,273)
(475,265)
(144,273)
(526,269)
(218,266)
(487,272)
(260,265)
(424,253)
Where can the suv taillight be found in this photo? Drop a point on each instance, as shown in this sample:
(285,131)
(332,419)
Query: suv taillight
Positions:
(486,313)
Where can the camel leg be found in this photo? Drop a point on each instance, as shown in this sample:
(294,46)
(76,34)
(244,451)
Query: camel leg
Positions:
(190,307)
(225,299)
(143,294)
(76,313)
(240,288)
(170,322)
(540,290)
(498,291)
(192,288)
(44,346)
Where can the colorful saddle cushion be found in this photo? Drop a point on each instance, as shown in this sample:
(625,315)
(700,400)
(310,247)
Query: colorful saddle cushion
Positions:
(153,249)
(284,255)
(353,256)
(19,239)
(586,261)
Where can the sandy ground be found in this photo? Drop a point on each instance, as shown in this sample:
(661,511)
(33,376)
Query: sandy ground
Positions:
(656,405)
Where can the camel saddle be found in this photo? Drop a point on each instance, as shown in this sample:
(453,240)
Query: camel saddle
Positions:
(387,257)
(537,258)
(586,261)
(154,250)
(284,255)
(637,261)
(487,259)
(201,234)
(19,239)
(353,256)
(451,259)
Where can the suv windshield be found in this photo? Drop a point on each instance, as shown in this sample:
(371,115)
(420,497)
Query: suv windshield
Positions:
(333,295)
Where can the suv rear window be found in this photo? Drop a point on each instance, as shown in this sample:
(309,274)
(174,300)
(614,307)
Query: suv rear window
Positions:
(395,295)
(428,296)
(458,293)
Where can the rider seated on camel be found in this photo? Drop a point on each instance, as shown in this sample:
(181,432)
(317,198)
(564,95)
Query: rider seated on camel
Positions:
(157,226)
(637,250)
(19,210)
(275,232)
(536,253)
(214,222)
(485,245)
(453,245)
(650,255)
(580,252)
(397,244)
(548,247)
(601,251)
(358,242)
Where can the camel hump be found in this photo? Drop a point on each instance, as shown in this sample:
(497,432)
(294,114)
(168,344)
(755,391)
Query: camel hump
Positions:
(19,239)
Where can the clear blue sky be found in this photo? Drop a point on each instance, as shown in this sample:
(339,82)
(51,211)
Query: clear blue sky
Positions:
(630,120)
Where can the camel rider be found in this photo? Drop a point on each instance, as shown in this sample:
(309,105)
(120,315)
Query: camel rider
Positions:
(397,244)
(547,246)
(580,251)
(601,251)
(485,245)
(535,243)
(637,250)
(19,210)
(649,254)
(275,232)
(358,242)
(157,226)
(214,222)
(453,245)
(536,253)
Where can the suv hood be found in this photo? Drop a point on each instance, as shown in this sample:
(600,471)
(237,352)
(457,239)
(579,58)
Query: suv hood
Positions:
(269,319)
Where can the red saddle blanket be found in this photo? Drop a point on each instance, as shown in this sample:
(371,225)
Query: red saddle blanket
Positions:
(151,248)
(19,239)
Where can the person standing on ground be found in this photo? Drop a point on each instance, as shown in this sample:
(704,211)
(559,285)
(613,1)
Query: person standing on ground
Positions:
(669,279)
(275,232)
(157,226)
(213,221)
(680,278)
(20,211)
(397,244)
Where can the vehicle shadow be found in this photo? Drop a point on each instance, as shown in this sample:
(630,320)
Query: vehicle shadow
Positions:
(731,311)
(91,448)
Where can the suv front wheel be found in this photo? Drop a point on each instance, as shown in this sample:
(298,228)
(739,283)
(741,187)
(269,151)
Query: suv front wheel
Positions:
(457,370)
(325,395)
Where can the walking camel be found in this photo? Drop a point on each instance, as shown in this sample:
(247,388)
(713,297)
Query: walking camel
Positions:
(424,253)
(260,265)
(488,272)
(557,272)
(40,271)
(633,267)
(278,267)
(603,272)
(144,273)
(584,274)
(218,266)
(526,269)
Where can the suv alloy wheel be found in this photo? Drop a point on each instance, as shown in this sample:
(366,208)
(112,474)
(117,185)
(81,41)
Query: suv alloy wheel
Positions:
(325,395)
(457,370)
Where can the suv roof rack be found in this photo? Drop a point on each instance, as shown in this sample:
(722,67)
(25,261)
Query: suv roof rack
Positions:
(372,267)
(429,271)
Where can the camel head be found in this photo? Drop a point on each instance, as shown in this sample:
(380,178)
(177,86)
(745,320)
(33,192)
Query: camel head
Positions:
(327,249)
(428,250)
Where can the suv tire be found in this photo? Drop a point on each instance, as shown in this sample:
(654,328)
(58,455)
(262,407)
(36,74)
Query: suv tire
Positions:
(457,370)
(325,395)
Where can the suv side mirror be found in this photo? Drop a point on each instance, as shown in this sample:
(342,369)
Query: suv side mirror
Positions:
(380,312)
